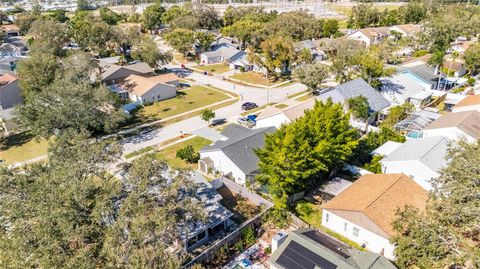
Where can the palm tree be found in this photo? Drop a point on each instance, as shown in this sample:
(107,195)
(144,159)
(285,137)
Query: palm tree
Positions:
(454,57)
(437,61)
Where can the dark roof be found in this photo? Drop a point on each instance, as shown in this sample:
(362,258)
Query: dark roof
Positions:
(422,71)
(355,88)
(233,130)
(310,249)
(239,148)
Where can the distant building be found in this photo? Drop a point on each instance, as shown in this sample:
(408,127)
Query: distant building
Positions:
(364,212)
(407,30)
(401,88)
(223,54)
(10,30)
(370,36)
(310,249)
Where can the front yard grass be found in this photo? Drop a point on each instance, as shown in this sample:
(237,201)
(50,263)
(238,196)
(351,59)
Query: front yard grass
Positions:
(258,78)
(219,68)
(21,147)
(187,99)
(169,154)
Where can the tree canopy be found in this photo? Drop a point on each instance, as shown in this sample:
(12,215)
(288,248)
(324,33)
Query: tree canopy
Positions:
(70,213)
(312,75)
(445,235)
(305,151)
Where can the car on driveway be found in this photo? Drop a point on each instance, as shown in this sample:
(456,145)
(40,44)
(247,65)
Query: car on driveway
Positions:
(246,122)
(248,106)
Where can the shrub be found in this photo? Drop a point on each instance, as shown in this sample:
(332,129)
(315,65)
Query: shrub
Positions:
(188,154)
(242,69)
(420,53)
(471,81)
(248,236)
(277,218)
(374,165)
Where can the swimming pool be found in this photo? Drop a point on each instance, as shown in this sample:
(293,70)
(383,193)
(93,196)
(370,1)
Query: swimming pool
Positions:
(415,134)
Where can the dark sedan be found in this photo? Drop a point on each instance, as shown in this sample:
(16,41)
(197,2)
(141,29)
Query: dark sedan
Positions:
(248,106)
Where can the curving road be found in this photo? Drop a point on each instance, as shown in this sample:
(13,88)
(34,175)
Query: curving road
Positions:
(231,112)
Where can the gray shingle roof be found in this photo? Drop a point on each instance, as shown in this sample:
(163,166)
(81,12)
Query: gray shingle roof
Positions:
(240,148)
(355,88)
(310,249)
(225,52)
(431,151)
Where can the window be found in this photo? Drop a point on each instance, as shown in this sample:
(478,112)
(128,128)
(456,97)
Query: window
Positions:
(326,217)
(345,226)
(201,235)
(355,231)
(192,241)
(158,97)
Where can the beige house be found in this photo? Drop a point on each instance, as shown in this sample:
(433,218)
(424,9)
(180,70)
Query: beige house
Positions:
(142,90)
(10,93)
(456,126)
(469,103)
(365,210)
(272,116)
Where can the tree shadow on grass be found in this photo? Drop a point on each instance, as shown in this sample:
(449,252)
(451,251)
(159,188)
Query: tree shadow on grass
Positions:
(15,140)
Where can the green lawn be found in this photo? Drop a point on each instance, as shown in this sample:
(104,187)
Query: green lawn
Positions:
(187,99)
(258,78)
(21,147)
(281,106)
(304,98)
(169,154)
(214,68)
(309,212)
(256,110)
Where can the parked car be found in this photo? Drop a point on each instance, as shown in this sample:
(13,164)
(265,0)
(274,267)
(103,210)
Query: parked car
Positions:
(216,122)
(252,117)
(246,122)
(248,106)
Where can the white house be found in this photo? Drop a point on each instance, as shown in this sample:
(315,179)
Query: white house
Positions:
(370,36)
(456,126)
(469,103)
(142,90)
(272,116)
(401,88)
(421,159)
(364,212)
(234,157)
(222,54)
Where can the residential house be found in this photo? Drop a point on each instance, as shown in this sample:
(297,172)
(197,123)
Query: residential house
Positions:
(364,212)
(355,88)
(456,126)
(222,54)
(469,103)
(10,30)
(272,116)
(407,30)
(370,36)
(224,41)
(401,88)
(217,217)
(234,157)
(310,249)
(13,49)
(386,149)
(423,73)
(421,159)
(114,73)
(10,93)
(142,90)
(455,67)
(313,47)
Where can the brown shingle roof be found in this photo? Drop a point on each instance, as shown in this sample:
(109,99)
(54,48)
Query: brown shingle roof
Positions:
(468,122)
(138,85)
(470,100)
(410,28)
(9,27)
(297,111)
(378,196)
(7,78)
(165,78)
